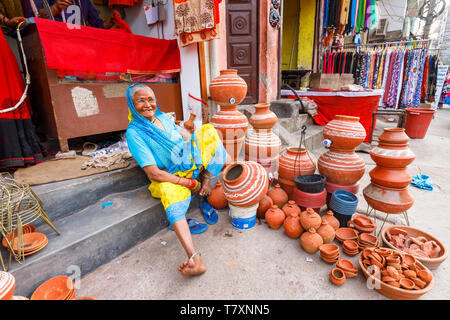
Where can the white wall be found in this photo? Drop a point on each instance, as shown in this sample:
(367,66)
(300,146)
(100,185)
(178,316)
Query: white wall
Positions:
(190,75)
(394,11)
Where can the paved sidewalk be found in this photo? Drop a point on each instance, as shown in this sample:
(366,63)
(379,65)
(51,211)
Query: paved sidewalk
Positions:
(262,263)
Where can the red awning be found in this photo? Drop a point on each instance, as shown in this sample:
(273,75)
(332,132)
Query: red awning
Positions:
(80,48)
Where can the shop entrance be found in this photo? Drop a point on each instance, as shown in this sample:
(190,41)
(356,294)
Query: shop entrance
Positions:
(242,43)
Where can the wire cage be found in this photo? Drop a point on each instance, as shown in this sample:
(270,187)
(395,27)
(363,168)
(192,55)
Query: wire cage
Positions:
(19,206)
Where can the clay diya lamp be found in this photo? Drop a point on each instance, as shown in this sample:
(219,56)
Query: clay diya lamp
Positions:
(410,274)
(419,283)
(387,279)
(337,276)
(343,234)
(346,266)
(425,275)
(363,221)
(407,284)
(329,249)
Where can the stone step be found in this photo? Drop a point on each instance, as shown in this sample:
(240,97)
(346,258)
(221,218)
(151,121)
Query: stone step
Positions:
(91,237)
(66,197)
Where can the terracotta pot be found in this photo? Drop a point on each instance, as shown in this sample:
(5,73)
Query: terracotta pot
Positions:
(311,241)
(389,200)
(310,219)
(291,208)
(264,204)
(326,231)
(278,195)
(390,177)
(392,150)
(231,125)
(345,132)
(228,88)
(337,276)
(263,118)
(244,183)
(292,226)
(341,166)
(7,285)
(217,198)
(189,124)
(331,219)
(292,163)
(275,217)
(263,147)
(329,250)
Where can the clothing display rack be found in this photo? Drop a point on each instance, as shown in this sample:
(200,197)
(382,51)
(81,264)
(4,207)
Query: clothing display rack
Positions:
(405,70)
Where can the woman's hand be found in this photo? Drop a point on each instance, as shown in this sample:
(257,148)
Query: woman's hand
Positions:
(14,22)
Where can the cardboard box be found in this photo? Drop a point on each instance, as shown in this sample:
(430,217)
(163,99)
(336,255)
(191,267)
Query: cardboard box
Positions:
(331,81)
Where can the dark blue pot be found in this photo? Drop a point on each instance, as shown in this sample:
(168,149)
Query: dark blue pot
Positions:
(343,204)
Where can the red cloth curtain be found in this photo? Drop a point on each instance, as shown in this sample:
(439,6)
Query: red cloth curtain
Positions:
(129,3)
(330,106)
(80,48)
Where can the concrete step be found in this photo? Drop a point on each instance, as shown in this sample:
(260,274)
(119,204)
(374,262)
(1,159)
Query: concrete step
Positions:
(91,237)
(66,197)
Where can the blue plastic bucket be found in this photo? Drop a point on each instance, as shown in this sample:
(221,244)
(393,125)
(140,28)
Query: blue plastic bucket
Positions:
(343,204)
(243,223)
(243,217)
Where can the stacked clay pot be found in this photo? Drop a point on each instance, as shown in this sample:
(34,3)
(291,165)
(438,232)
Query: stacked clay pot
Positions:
(342,167)
(244,183)
(217,198)
(261,144)
(228,90)
(292,163)
(329,253)
(388,191)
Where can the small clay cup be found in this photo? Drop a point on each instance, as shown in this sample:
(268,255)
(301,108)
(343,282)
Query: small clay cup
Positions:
(337,276)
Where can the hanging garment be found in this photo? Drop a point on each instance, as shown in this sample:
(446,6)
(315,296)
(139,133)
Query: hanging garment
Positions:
(389,77)
(401,79)
(393,88)
(326,5)
(380,70)
(386,70)
(19,144)
(344,12)
(11,8)
(418,88)
(423,89)
(361,16)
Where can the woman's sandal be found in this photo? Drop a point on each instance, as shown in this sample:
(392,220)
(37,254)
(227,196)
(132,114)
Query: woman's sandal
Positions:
(194,226)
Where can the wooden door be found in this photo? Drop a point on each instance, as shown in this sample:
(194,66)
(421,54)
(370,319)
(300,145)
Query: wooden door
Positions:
(242,43)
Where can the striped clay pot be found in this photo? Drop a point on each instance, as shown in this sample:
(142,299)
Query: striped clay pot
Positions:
(231,126)
(345,132)
(292,159)
(228,89)
(341,166)
(244,183)
(7,285)
(263,118)
(263,147)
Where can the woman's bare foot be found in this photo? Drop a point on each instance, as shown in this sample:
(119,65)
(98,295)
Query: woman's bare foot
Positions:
(206,188)
(192,267)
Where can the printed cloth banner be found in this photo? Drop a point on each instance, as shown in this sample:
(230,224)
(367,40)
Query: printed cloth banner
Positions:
(196,20)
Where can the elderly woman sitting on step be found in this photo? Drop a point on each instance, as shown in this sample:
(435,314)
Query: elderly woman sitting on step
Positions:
(177,163)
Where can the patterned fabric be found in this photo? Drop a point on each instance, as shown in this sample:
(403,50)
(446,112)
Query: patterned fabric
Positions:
(392,94)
